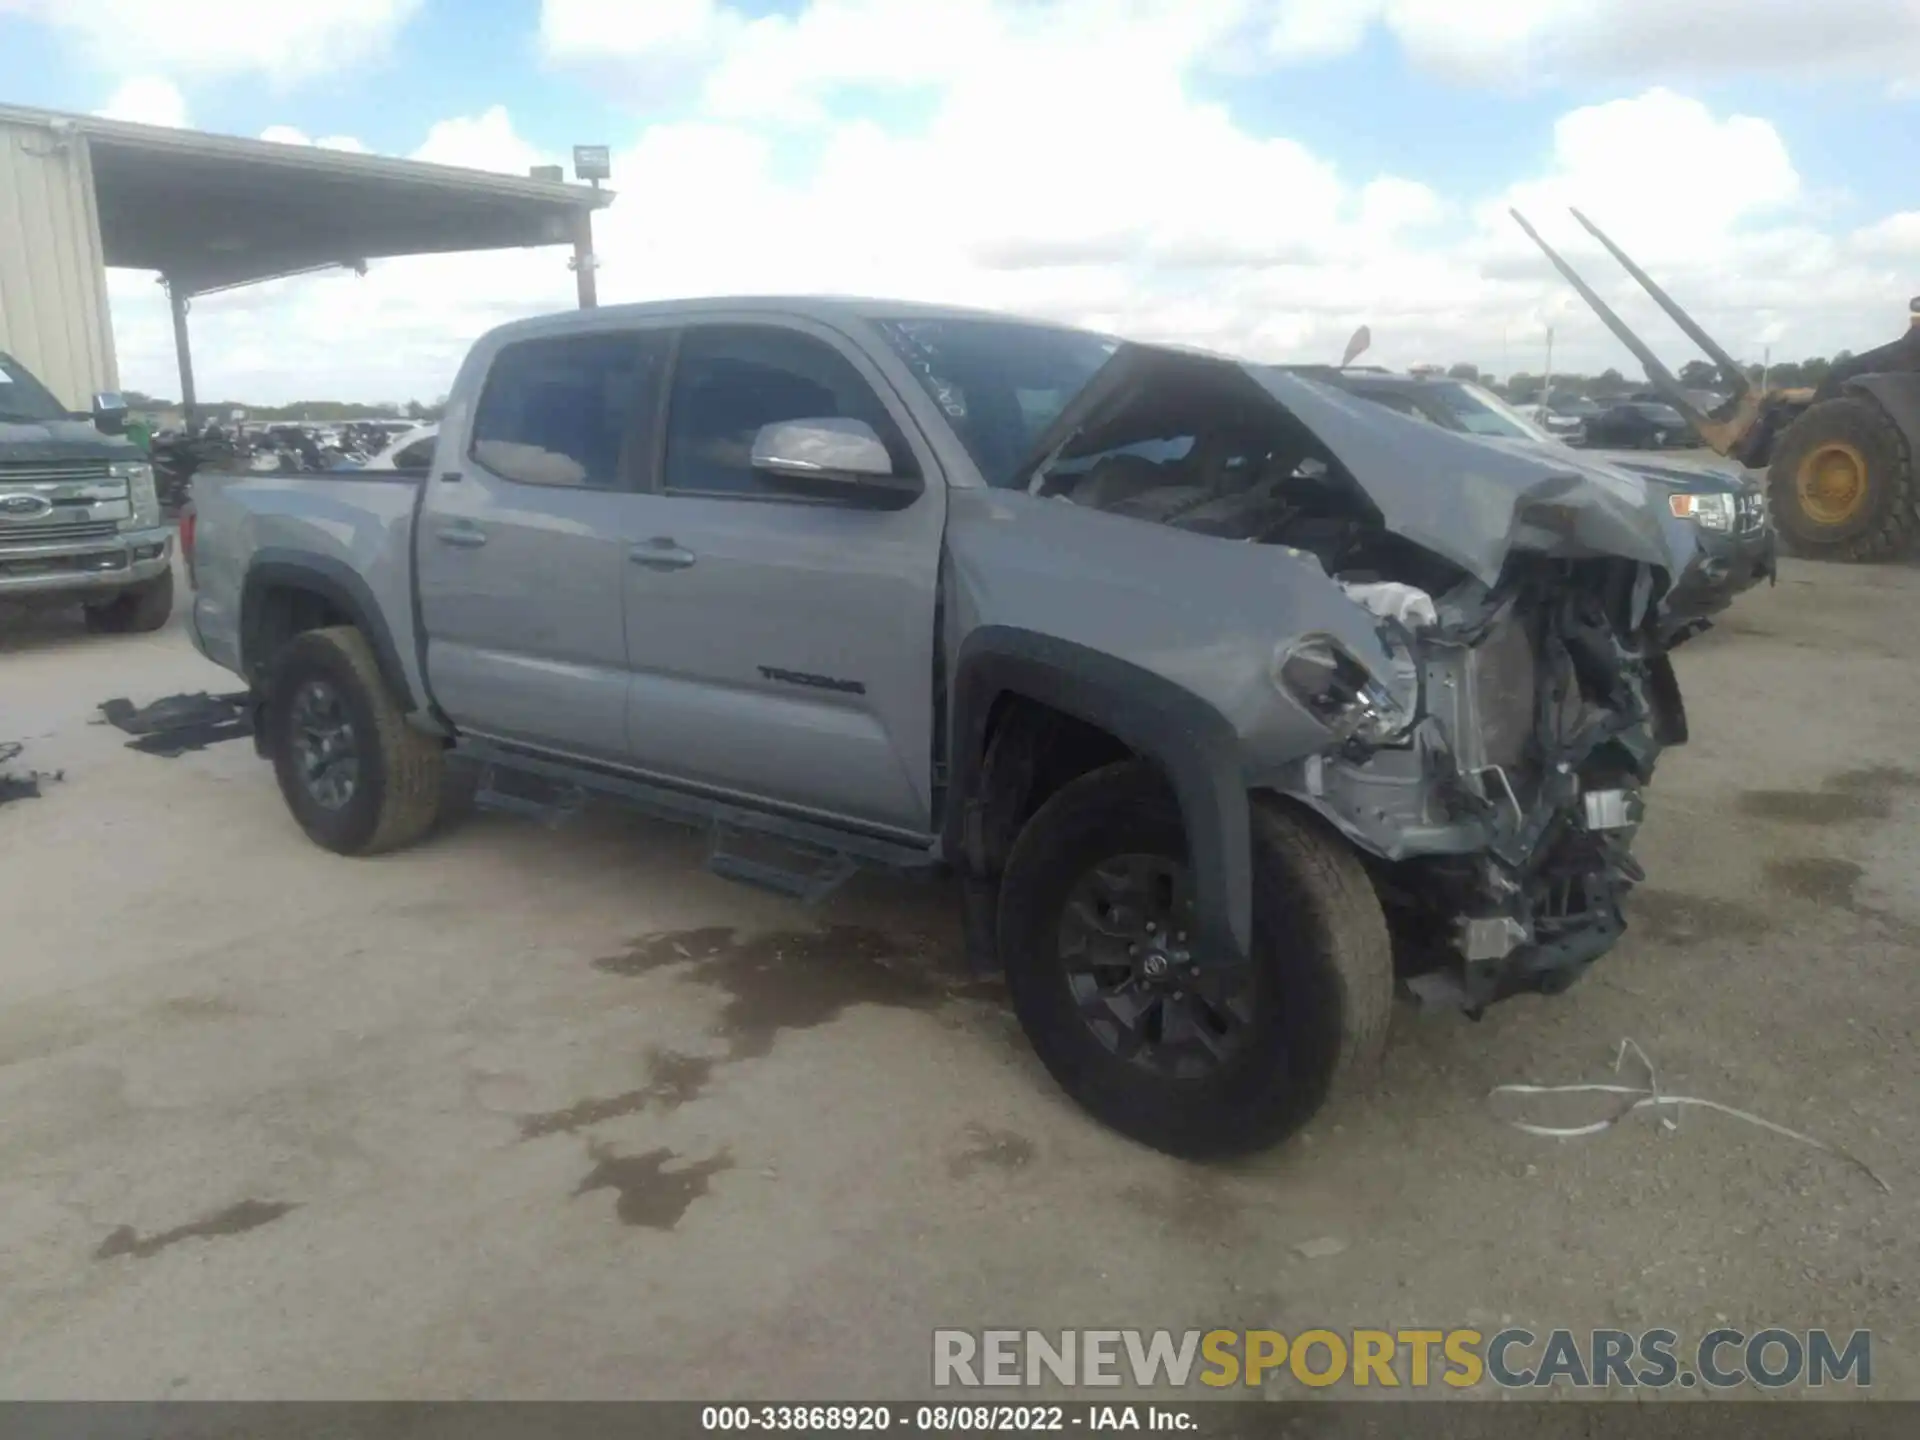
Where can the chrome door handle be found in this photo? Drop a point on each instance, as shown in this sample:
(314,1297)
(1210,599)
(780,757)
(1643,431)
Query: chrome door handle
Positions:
(464,537)
(660,553)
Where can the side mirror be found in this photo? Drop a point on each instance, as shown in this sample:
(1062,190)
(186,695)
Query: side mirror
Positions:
(831,456)
(109,413)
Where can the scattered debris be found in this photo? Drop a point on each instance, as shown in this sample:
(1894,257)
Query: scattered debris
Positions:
(175,724)
(1648,1096)
(21,784)
(1324,1248)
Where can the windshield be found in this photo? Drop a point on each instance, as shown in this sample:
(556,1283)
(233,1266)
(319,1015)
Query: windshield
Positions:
(1660,412)
(1480,412)
(24,399)
(1000,383)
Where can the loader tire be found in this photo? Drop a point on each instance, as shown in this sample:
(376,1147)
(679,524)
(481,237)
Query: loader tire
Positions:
(1841,483)
(1094,885)
(358,779)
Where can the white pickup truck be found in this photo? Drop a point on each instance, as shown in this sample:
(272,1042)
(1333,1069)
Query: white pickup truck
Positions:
(1229,697)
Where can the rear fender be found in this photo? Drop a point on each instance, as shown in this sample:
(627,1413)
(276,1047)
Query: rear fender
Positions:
(1188,739)
(344,592)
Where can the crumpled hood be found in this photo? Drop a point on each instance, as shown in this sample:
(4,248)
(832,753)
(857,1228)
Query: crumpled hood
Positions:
(1474,500)
(1687,476)
(60,440)
(1467,499)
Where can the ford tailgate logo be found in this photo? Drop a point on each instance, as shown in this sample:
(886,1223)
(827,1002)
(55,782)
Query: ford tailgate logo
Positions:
(19,507)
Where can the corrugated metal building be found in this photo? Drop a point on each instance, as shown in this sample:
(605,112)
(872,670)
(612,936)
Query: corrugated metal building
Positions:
(53,277)
(210,212)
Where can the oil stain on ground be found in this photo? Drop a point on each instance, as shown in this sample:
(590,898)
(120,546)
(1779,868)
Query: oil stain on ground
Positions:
(1852,795)
(985,1148)
(234,1220)
(1814,807)
(787,979)
(672,1080)
(1670,918)
(1817,878)
(650,1195)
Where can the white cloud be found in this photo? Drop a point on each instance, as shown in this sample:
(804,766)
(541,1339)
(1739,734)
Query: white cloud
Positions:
(1499,41)
(220,38)
(288,135)
(1062,162)
(147,100)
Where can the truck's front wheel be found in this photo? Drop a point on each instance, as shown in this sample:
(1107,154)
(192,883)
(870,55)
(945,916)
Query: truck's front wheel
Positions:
(1096,933)
(356,776)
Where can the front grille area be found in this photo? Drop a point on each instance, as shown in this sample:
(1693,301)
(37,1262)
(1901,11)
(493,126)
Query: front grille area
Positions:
(55,533)
(53,472)
(1750,510)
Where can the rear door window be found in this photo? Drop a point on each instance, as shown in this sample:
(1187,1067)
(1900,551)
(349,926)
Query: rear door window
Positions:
(574,410)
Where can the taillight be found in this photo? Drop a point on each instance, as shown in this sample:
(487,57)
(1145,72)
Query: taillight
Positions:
(188,524)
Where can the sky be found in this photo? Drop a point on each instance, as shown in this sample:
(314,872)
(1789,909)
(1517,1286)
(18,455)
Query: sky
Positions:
(1255,176)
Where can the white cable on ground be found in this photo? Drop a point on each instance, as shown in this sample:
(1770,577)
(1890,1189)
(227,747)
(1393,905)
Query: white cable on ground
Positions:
(1649,1097)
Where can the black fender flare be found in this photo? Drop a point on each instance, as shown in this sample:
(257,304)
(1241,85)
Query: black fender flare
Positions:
(1192,742)
(1897,392)
(342,588)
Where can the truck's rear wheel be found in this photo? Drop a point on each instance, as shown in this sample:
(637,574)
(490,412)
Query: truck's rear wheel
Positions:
(356,776)
(1841,483)
(1095,927)
(137,610)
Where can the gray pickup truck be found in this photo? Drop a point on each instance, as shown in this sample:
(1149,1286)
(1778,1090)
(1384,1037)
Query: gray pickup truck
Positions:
(1227,697)
(79,520)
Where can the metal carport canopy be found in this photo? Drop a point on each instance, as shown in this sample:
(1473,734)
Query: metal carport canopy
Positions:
(212,211)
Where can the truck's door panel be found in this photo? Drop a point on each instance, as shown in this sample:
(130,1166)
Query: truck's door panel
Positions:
(524,537)
(786,650)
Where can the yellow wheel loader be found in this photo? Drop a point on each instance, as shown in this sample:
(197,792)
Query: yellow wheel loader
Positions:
(1840,460)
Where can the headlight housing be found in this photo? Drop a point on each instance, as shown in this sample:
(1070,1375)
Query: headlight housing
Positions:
(140,490)
(1709,512)
(1332,685)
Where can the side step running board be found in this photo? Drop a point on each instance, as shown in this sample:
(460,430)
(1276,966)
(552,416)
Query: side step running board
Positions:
(534,797)
(826,873)
(802,859)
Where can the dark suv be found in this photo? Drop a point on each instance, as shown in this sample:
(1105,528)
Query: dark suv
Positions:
(1726,511)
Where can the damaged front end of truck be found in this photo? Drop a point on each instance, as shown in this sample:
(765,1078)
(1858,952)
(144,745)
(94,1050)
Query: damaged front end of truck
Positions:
(1478,692)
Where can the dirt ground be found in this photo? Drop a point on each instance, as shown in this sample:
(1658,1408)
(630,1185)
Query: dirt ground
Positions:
(541,1113)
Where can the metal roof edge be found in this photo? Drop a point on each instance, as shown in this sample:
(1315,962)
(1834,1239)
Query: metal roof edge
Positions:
(344,163)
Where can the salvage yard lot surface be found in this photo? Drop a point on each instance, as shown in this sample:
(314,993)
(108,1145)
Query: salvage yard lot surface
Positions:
(556,1114)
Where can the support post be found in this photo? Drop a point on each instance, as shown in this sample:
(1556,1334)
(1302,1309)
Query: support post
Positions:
(583,259)
(177,302)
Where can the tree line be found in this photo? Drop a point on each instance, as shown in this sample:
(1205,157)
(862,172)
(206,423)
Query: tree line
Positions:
(319,412)
(1524,388)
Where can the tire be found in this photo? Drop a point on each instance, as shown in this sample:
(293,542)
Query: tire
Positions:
(393,796)
(1321,949)
(1876,520)
(137,610)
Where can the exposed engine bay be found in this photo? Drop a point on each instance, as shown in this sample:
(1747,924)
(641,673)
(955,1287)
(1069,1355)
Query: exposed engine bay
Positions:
(1491,770)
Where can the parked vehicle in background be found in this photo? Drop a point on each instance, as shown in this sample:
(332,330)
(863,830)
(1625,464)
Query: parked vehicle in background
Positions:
(1839,459)
(411,450)
(1555,423)
(1222,694)
(1639,425)
(80,519)
(1725,511)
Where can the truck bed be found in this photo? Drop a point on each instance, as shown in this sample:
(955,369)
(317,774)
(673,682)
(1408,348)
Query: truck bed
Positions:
(355,526)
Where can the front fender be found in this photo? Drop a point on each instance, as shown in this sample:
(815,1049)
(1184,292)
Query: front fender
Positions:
(1192,742)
